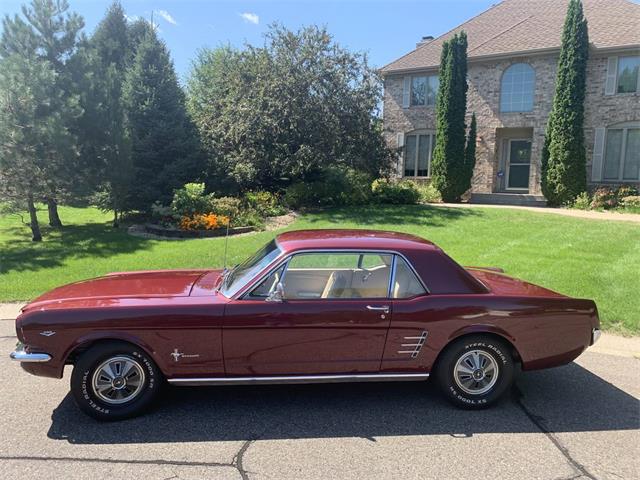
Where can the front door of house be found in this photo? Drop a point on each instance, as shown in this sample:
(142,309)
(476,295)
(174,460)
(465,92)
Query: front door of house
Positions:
(519,164)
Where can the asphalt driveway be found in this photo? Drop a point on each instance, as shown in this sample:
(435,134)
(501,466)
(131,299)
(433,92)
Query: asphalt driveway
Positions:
(577,421)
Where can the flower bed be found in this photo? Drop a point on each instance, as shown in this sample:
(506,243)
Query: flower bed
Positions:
(171,232)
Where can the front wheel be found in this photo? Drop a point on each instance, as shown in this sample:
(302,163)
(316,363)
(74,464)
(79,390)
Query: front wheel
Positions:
(475,371)
(114,381)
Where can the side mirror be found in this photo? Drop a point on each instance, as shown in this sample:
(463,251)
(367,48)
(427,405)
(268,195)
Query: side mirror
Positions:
(277,295)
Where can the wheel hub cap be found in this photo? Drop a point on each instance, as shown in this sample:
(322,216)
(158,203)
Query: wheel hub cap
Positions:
(118,380)
(476,372)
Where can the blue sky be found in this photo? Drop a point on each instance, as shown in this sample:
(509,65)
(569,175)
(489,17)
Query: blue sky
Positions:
(384,29)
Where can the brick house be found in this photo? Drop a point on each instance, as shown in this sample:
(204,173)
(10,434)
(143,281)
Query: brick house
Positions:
(513,51)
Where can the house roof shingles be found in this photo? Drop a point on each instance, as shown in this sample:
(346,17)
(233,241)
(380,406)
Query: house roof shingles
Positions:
(515,26)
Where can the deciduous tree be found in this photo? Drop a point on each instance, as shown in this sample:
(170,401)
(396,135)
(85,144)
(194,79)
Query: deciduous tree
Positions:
(286,111)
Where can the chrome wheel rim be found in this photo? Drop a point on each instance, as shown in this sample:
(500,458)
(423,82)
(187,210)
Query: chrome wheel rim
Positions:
(476,372)
(118,380)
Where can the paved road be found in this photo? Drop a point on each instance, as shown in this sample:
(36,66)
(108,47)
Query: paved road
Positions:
(581,421)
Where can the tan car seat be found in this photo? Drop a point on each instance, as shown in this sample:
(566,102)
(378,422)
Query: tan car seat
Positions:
(336,285)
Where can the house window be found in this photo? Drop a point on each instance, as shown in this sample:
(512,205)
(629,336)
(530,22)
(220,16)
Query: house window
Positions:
(417,154)
(622,154)
(424,90)
(628,74)
(516,90)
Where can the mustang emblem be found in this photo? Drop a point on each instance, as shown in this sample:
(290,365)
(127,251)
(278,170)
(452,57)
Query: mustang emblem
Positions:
(178,355)
(47,333)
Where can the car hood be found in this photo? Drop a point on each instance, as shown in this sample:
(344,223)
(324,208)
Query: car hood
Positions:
(501,284)
(143,284)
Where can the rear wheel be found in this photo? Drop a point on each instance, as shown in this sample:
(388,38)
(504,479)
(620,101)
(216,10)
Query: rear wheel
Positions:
(114,381)
(475,371)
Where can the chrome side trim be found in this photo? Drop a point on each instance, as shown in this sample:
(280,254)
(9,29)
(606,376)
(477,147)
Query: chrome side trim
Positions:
(417,346)
(293,379)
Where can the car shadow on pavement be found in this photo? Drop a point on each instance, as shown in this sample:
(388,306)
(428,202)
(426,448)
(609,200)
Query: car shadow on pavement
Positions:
(564,399)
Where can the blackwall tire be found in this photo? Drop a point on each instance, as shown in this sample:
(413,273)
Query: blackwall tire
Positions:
(115,380)
(475,371)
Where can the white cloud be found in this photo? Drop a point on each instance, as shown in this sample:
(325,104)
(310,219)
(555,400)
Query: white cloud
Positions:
(250,17)
(167,16)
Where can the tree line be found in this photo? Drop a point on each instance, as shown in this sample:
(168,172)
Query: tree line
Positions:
(103,118)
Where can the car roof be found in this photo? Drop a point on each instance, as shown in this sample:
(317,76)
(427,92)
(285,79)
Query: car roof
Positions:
(328,239)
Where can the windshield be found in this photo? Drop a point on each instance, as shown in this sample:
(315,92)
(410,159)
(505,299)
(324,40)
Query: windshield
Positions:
(242,273)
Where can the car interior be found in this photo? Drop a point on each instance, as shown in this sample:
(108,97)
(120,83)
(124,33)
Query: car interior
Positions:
(341,275)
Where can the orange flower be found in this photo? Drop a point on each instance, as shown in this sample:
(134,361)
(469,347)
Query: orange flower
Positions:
(209,221)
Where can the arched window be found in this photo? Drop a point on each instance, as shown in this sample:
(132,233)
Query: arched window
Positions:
(516,89)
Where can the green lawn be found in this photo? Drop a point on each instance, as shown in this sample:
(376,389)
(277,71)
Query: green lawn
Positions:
(584,258)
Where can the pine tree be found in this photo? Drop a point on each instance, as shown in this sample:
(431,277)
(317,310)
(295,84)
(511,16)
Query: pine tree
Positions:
(564,173)
(470,153)
(112,49)
(50,35)
(164,147)
(448,166)
(26,131)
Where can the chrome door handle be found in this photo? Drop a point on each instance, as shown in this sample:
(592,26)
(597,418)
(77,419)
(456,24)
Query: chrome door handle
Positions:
(384,308)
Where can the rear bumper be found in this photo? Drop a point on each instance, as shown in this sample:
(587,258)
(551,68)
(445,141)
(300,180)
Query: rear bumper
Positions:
(595,335)
(21,355)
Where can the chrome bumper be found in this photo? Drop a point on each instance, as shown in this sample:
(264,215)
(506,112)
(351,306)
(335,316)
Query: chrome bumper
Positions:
(595,335)
(20,355)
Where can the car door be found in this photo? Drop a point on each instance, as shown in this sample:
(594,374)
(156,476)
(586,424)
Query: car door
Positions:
(333,318)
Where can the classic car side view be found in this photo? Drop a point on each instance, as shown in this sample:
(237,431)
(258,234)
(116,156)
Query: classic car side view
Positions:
(309,307)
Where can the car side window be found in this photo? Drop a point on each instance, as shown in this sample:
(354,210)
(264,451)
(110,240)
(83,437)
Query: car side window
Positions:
(331,275)
(406,284)
(268,285)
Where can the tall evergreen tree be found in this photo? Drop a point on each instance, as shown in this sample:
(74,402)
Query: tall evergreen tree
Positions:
(564,174)
(27,131)
(164,146)
(50,35)
(470,153)
(448,167)
(112,50)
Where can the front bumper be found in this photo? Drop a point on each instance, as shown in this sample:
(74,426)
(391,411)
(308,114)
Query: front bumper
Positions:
(595,335)
(21,355)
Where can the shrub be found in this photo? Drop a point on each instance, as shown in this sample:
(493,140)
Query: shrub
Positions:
(227,206)
(396,193)
(209,221)
(191,199)
(337,187)
(604,197)
(265,203)
(428,193)
(626,191)
(631,203)
(163,214)
(582,201)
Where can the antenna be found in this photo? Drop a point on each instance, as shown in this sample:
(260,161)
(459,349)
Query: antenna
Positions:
(226,243)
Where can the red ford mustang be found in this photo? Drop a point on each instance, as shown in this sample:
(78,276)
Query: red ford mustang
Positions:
(310,306)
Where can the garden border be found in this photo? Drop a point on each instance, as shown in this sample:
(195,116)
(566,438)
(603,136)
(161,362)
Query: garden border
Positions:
(176,233)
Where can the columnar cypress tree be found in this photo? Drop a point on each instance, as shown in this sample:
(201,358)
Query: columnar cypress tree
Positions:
(470,153)
(448,167)
(564,173)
